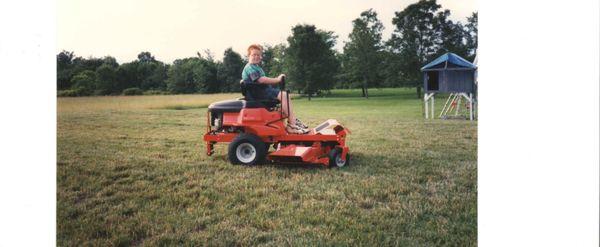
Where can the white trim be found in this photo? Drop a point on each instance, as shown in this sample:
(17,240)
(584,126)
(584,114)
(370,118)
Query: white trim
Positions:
(432,107)
(467,97)
(457,106)
(445,104)
(426,109)
(428,95)
(471,106)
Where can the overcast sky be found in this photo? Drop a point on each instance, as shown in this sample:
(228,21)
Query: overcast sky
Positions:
(178,29)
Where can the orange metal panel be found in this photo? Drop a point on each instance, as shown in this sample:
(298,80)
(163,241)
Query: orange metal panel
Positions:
(291,150)
(220,137)
(310,154)
(230,119)
(306,137)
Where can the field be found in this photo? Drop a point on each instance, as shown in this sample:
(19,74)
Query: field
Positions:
(132,170)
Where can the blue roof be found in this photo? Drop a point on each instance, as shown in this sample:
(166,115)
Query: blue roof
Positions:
(451,58)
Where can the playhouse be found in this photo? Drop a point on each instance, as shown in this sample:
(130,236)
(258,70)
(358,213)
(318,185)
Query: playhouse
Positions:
(452,74)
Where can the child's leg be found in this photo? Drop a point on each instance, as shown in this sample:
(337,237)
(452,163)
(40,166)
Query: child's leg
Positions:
(283,98)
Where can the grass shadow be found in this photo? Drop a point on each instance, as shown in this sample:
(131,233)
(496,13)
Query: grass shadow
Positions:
(358,161)
(293,166)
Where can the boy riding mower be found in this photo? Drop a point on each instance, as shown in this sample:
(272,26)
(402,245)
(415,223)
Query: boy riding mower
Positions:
(253,126)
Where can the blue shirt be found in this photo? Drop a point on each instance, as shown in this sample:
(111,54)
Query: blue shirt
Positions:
(250,75)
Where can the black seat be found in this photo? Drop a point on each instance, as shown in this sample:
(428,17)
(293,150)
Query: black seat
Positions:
(246,102)
(249,90)
(234,105)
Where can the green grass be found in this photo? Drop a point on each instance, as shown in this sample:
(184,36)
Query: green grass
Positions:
(133,171)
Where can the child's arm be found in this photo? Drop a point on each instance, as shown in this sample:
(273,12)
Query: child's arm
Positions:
(269,80)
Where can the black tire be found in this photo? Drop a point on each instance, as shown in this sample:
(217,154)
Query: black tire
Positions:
(335,158)
(246,149)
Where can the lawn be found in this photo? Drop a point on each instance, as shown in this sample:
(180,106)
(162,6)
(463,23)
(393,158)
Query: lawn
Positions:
(132,170)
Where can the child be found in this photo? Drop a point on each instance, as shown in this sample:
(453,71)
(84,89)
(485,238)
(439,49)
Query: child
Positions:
(253,73)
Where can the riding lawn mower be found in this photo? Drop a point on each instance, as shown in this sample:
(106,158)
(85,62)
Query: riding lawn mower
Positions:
(252,126)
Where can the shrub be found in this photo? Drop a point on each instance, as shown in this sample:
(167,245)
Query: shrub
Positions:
(69,93)
(100,92)
(155,92)
(85,81)
(132,91)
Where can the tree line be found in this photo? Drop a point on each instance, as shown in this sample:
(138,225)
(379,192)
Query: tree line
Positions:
(422,32)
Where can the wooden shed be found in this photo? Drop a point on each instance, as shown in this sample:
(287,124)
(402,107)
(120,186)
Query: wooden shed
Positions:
(452,74)
(449,73)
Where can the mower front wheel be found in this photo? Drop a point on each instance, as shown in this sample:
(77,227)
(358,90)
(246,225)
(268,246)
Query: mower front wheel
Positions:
(335,158)
(246,149)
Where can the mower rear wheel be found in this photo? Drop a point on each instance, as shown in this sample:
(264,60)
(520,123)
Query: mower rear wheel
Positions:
(246,149)
(335,158)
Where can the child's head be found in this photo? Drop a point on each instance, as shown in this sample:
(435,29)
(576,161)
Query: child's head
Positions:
(255,54)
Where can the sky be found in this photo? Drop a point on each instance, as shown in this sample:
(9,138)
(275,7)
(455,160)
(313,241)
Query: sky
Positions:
(180,28)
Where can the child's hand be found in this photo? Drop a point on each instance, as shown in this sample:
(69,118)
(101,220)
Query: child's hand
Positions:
(280,77)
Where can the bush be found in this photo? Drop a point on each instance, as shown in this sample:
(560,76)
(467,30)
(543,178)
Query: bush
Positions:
(155,92)
(99,92)
(70,93)
(85,81)
(132,91)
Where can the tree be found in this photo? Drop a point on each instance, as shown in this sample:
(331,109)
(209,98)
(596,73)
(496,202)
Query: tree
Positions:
(310,59)
(414,39)
(342,78)
(64,69)
(85,82)
(151,75)
(329,62)
(106,76)
(205,73)
(106,81)
(452,36)
(230,71)
(64,59)
(110,61)
(364,51)
(87,76)
(91,63)
(471,30)
(208,55)
(145,73)
(391,72)
(145,57)
(273,59)
(127,76)
(156,79)
(191,75)
(67,65)
(180,76)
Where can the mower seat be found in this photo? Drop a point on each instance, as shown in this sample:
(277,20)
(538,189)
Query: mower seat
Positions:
(237,105)
(255,102)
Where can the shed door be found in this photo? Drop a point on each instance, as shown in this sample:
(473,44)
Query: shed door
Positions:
(433,81)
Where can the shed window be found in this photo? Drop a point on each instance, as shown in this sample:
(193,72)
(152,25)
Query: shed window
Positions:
(433,83)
